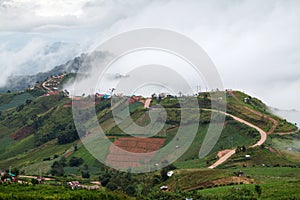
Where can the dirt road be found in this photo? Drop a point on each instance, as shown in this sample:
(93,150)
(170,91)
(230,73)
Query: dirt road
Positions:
(35,177)
(147,103)
(226,156)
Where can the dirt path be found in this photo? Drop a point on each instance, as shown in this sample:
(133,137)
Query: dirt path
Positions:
(35,177)
(286,133)
(223,152)
(229,153)
(225,155)
(275,122)
(222,159)
(147,103)
(44,85)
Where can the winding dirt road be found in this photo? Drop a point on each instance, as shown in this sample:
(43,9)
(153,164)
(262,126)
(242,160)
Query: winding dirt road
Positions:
(263,135)
(226,156)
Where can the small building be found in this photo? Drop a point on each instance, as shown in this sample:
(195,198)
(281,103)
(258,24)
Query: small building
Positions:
(164,187)
(239,173)
(74,184)
(164,95)
(246,100)
(170,173)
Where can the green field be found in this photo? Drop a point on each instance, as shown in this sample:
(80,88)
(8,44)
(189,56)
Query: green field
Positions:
(51,139)
(276,183)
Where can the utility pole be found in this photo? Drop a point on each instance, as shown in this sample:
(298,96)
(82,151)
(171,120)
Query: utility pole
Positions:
(198,89)
(180,94)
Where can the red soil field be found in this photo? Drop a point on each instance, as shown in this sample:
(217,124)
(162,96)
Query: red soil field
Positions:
(119,157)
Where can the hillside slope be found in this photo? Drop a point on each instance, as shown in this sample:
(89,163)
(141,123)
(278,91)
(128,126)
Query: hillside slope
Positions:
(41,130)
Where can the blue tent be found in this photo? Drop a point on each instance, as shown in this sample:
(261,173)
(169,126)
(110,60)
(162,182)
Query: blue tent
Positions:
(11,174)
(106,96)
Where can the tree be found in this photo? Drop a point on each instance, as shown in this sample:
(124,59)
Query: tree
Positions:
(243,148)
(105,178)
(85,174)
(154,96)
(165,170)
(63,161)
(130,190)
(57,169)
(258,190)
(112,186)
(34,181)
(28,101)
(75,162)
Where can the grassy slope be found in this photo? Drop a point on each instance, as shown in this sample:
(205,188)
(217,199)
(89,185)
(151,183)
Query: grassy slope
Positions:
(236,106)
(12,100)
(276,183)
(32,159)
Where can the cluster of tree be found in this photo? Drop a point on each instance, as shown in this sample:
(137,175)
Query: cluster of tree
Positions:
(85,172)
(134,185)
(252,133)
(57,168)
(68,135)
(60,126)
(125,182)
(75,162)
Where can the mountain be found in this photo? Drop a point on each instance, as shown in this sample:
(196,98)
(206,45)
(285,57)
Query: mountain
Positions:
(21,82)
(38,135)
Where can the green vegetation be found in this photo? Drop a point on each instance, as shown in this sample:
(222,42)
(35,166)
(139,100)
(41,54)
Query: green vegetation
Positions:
(25,191)
(274,183)
(38,135)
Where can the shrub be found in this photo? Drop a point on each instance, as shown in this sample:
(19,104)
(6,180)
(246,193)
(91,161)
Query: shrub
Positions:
(75,162)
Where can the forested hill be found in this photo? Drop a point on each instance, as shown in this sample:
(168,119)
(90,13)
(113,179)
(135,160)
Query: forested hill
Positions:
(21,82)
(35,126)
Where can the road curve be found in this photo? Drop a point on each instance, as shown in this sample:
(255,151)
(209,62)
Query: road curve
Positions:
(263,137)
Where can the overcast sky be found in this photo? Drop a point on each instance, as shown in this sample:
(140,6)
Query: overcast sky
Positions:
(254,44)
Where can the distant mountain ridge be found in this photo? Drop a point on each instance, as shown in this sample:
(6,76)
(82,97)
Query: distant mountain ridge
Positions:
(21,82)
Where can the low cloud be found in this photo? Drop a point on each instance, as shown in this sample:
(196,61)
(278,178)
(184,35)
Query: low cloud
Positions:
(254,44)
(36,56)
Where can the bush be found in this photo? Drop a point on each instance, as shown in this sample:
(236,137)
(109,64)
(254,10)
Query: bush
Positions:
(34,181)
(111,186)
(75,162)
(85,174)
(46,159)
(57,169)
